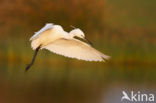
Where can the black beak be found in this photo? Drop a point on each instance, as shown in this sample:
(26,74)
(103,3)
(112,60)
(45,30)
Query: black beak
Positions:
(89,42)
(84,39)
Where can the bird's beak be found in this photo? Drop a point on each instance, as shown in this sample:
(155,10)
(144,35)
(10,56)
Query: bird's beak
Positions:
(89,42)
(84,39)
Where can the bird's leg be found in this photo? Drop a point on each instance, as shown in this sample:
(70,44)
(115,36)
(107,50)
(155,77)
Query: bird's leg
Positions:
(33,59)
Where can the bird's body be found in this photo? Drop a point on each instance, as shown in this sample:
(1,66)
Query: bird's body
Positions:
(47,34)
(55,39)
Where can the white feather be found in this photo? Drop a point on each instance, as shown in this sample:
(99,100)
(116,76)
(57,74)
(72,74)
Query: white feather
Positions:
(46,27)
(76,32)
(47,34)
(75,49)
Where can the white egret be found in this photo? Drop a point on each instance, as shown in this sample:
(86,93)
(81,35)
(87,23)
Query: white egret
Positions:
(55,39)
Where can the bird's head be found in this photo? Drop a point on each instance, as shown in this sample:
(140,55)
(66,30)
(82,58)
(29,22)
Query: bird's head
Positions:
(77,33)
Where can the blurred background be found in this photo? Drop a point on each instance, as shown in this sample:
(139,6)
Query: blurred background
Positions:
(123,29)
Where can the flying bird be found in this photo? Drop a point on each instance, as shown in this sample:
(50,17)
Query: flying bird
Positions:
(71,44)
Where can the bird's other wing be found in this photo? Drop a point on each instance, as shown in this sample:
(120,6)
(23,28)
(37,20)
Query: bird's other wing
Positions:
(46,27)
(75,49)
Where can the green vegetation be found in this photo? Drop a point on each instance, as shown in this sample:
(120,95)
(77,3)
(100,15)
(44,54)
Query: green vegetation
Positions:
(125,30)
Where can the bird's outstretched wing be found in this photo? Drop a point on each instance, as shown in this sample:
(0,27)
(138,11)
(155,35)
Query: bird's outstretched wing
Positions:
(75,49)
(45,28)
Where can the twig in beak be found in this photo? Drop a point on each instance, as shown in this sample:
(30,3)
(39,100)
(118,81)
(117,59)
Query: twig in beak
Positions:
(72,26)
